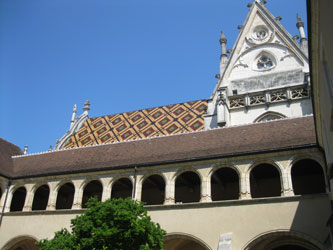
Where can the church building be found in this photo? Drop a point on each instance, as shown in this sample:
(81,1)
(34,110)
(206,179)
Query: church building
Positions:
(240,170)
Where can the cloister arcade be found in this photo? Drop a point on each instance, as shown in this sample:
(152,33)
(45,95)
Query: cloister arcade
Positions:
(198,183)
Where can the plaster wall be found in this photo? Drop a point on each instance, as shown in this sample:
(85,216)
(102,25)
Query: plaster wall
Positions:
(245,219)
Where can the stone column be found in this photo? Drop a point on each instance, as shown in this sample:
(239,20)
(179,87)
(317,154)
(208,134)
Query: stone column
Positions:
(245,190)
(77,201)
(51,205)
(205,186)
(169,189)
(106,188)
(137,187)
(29,197)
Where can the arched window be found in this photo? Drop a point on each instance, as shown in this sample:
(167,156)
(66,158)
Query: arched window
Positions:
(18,199)
(264,61)
(65,196)
(269,116)
(122,188)
(187,187)
(308,177)
(153,190)
(92,189)
(265,181)
(225,184)
(41,198)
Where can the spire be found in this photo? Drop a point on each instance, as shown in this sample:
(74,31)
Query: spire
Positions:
(224,56)
(73,115)
(303,41)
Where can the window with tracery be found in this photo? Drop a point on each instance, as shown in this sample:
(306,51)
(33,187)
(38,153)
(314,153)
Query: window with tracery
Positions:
(265,62)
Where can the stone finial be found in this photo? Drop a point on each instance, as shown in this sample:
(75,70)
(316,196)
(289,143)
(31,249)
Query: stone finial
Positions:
(50,148)
(299,23)
(86,107)
(263,2)
(249,5)
(223,39)
(278,18)
(25,149)
(295,37)
(73,115)
(240,27)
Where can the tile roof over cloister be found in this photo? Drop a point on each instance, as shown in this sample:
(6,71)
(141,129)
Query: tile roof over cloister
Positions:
(146,123)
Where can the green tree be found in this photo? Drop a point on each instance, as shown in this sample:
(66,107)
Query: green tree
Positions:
(111,225)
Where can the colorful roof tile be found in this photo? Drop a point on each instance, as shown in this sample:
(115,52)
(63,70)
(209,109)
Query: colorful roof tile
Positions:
(165,120)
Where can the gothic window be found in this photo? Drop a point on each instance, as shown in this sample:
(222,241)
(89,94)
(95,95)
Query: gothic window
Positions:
(264,62)
(269,116)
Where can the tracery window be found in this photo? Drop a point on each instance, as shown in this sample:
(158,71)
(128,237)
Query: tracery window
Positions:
(265,62)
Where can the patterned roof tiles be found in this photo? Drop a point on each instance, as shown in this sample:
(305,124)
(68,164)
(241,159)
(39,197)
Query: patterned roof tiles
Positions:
(152,122)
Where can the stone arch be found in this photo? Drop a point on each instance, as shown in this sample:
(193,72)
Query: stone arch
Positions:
(259,64)
(183,241)
(188,184)
(269,116)
(265,179)
(41,193)
(65,194)
(22,242)
(91,188)
(225,183)
(275,240)
(19,195)
(304,171)
(122,187)
(153,188)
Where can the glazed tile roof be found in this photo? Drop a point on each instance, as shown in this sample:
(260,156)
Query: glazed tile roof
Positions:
(165,120)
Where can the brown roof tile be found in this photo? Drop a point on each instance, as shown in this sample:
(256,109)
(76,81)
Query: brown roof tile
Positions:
(7,150)
(273,135)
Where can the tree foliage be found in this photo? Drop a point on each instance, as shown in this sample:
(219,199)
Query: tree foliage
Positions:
(111,225)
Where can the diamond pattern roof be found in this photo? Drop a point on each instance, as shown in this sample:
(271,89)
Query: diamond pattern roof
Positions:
(165,120)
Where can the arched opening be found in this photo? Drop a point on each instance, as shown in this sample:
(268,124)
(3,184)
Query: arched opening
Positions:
(183,242)
(270,116)
(18,199)
(289,247)
(283,240)
(92,189)
(225,184)
(187,188)
(153,190)
(122,188)
(265,181)
(41,198)
(307,177)
(65,196)
(22,243)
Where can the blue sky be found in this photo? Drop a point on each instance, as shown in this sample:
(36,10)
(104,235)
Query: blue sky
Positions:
(122,55)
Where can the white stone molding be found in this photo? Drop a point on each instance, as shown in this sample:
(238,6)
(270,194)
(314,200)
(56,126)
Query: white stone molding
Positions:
(244,182)
(137,188)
